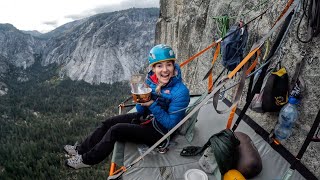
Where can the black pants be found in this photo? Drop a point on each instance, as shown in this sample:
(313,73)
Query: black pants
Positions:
(96,147)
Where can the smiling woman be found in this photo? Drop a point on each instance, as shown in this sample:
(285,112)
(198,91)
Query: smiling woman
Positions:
(169,98)
(45,16)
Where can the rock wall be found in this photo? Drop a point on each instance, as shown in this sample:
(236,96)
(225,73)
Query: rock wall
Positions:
(104,48)
(189,26)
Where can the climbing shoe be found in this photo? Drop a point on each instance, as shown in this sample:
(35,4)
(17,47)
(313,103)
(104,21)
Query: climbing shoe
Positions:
(76,162)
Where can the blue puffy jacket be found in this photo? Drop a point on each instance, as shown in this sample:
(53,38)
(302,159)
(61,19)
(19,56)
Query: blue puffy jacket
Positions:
(174,96)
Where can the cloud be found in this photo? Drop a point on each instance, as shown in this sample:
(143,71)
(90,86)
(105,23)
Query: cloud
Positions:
(77,16)
(51,23)
(126,4)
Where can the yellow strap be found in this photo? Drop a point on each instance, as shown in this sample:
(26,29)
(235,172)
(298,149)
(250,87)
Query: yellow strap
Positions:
(280,73)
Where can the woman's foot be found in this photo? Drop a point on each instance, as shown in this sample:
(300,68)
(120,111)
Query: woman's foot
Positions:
(71,150)
(76,162)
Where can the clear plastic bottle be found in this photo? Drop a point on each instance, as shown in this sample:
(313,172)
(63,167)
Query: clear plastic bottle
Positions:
(287,117)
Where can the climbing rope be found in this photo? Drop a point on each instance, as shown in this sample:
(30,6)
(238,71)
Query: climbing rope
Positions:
(222,24)
(313,19)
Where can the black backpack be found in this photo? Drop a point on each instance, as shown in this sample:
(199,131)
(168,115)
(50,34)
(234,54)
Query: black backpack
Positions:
(274,91)
(233,46)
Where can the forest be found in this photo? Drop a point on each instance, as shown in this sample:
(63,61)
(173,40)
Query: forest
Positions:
(40,115)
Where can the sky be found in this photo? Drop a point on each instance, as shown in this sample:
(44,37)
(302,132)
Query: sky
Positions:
(46,15)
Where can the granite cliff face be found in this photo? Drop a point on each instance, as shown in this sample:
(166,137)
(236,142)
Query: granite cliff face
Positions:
(104,48)
(16,47)
(189,26)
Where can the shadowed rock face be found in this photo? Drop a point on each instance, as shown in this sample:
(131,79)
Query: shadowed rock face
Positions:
(104,48)
(16,47)
(189,26)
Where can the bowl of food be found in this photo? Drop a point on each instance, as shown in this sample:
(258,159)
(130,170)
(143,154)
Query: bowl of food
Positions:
(142,96)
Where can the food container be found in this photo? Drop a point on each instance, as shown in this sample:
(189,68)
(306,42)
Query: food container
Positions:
(142,96)
(137,83)
(141,93)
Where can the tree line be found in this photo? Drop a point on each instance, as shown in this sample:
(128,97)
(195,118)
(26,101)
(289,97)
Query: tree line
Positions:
(41,115)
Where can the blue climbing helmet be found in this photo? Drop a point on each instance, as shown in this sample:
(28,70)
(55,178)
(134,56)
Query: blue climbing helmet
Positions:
(160,53)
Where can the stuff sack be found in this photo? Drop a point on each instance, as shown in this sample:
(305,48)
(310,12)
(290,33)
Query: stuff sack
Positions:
(249,162)
(233,46)
(221,153)
(274,92)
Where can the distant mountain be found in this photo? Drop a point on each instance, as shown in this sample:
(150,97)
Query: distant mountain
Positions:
(17,47)
(62,29)
(104,48)
(33,33)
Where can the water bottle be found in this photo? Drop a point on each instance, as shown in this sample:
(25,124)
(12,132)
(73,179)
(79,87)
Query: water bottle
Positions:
(288,115)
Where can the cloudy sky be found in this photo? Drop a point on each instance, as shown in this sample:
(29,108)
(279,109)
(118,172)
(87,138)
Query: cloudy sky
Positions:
(45,15)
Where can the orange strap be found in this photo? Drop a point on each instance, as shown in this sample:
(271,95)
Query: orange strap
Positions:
(122,168)
(233,111)
(215,57)
(216,53)
(198,54)
(244,61)
(289,3)
(210,83)
(254,64)
(112,168)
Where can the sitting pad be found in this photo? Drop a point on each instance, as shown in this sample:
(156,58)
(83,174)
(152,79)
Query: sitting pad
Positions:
(249,161)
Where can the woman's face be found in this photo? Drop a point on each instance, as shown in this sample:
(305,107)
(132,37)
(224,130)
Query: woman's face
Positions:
(164,71)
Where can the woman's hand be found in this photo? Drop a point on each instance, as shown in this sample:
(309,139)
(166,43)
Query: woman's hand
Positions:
(147,104)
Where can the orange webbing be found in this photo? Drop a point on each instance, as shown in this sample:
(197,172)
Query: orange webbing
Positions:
(255,62)
(215,57)
(122,168)
(198,54)
(112,168)
(244,61)
(216,53)
(253,51)
(289,3)
(233,111)
(210,83)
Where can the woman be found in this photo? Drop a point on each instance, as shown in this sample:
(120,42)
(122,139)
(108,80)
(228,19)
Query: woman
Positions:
(169,95)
